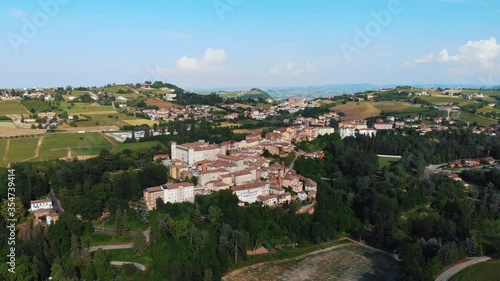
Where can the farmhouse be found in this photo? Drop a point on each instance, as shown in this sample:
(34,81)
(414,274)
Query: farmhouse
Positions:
(43,204)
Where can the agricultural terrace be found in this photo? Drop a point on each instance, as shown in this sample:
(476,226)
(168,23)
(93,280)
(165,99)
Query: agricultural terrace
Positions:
(12,107)
(342,262)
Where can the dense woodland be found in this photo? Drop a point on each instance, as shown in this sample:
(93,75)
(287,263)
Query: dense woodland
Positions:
(428,220)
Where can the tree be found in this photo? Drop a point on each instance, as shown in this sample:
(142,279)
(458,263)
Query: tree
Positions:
(104,271)
(57,272)
(232,241)
(140,244)
(12,209)
(142,211)
(471,246)
(122,223)
(449,253)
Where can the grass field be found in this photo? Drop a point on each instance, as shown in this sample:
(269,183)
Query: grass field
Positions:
(471,118)
(386,161)
(21,149)
(128,255)
(106,119)
(356,111)
(7,125)
(140,121)
(442,99)
(342,262)
(101,238)
(85,108)
(56,146)
(162,104)
(10,107)
(393,105)
(487,271)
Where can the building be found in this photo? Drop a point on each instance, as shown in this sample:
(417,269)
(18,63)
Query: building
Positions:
(383,126)
(52,217)
(169,193)
(195,152)
(250,192)
(42,204)
(368,132)
(347,132)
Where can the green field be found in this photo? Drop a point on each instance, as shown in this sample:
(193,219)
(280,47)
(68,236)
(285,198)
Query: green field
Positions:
(128,255)
(105,119)
(342,262)
(386,161)
(471,118)
(487,271)
(85,108)
(3,151)
(9,107)
(441,99)
(21,149)
(101,238)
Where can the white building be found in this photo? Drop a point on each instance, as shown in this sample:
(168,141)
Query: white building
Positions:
(249,192)
(368,132)
(169,193)
(347,132)
(42,204)
(195,152)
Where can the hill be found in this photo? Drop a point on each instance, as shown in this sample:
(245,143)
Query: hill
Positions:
(246,95)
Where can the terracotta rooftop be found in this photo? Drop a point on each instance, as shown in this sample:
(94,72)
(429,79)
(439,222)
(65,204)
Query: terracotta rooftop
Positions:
(41,201)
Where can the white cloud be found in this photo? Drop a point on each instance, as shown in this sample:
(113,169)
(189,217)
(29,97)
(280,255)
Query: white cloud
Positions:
(18,13)
(212,60)
(425,59)
(290,68)
(484,54)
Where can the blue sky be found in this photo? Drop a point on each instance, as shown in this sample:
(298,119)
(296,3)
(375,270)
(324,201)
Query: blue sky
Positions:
(249,43)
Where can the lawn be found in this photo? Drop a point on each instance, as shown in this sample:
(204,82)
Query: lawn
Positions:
(9,107)
(487,271)
(386,161)
(135,146)
(358,111)
(341,262)
(102,238)
(128,255)
(65,141)
(3,151)
(85,108)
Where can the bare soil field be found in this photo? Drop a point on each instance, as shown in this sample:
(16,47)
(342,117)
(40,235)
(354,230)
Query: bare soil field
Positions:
(342,262)
(20,132)
(162,104)
(357,111)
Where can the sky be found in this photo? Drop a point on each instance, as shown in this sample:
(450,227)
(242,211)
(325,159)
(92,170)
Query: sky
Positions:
(248,43)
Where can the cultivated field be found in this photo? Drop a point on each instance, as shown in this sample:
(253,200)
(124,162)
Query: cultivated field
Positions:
(392,105)
(356,111)
(136,122)
(86,108)
(471,118)
(487,271)
(343,262)
(7,125)
(62,145)
(9,107)
(162,104)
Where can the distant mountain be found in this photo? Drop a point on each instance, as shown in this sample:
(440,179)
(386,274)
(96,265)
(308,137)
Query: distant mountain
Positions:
(243,95)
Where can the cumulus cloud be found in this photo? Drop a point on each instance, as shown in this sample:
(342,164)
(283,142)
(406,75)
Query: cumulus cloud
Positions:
(212,60)
(290,68)
(484,54)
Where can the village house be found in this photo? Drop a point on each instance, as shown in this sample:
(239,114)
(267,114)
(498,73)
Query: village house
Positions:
(488,160)
(195,152)
(471,162)
(42,204)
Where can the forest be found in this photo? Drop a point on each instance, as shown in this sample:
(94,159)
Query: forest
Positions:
(428,220)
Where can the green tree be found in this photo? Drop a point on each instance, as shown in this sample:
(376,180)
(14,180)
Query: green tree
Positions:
(140,244)
(104,271)
(232,241)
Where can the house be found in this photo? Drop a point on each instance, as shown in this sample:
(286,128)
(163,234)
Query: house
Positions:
(42,204)
(52,218)
(455,164)
(383,126)
(160,157)
(471,162)
(195,152)
(488,160)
